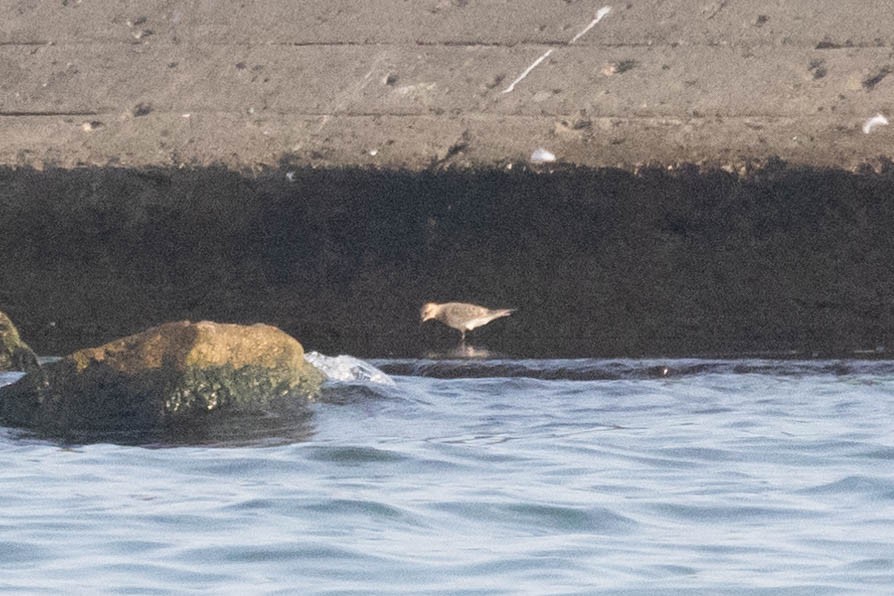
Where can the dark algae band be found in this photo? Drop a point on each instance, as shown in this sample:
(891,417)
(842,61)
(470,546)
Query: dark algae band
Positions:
(587,369)
(595,262)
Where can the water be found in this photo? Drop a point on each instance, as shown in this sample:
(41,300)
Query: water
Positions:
(583,476)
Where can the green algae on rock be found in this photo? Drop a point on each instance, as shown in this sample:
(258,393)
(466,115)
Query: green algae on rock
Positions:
(176,373)
(14,353)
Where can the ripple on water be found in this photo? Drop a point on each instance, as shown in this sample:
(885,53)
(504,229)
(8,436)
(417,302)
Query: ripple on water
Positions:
(744,514)
(535,518)
(871,565)
(752,477)
(354,455)
(885,454)
(862,486)
(19,552)
(367,510)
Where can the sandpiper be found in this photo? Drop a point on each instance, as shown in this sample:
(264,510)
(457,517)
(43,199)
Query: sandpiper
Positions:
(462,316)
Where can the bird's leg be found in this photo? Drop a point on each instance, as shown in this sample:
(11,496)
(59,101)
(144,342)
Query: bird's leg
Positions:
(462,336)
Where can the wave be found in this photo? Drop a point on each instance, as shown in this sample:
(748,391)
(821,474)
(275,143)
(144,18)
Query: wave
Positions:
(599,369)
(347,369)
(10,377)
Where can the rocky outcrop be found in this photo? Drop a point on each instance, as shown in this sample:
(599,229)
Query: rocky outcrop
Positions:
(174,374)
(14,353)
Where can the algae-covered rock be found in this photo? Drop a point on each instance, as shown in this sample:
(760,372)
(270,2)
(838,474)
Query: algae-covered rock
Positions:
(14,353)
(176,373)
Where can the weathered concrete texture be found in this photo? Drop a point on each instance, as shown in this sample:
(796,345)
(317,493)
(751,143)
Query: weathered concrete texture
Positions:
(398,84)
(596,262)
(176,374)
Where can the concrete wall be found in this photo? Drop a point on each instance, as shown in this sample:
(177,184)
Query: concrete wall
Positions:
(411,84)
(597,262)
(329,165)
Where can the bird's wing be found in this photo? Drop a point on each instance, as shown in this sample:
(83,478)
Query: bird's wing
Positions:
(478,322)
(466,311)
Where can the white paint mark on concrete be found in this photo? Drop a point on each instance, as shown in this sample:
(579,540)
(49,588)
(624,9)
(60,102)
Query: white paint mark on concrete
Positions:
(600,14)
(875,121)
(417,89)
(528,71)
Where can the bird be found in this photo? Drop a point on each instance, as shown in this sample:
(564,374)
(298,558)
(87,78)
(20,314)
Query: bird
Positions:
(462,316)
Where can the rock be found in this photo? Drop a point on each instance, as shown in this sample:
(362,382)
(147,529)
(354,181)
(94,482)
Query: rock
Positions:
(14,353)
(173,374)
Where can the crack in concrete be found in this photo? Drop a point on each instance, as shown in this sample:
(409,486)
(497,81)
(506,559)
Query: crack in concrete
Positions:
(26,114)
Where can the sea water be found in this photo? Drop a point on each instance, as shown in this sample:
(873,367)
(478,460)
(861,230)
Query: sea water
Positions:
(485,476)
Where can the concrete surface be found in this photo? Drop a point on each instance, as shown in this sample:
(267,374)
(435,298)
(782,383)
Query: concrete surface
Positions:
(418,84)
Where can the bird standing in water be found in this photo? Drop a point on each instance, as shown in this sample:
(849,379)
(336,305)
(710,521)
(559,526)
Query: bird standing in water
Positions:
(462,316)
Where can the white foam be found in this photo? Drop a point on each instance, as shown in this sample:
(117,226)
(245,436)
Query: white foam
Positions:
(10,377)
(347,369)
